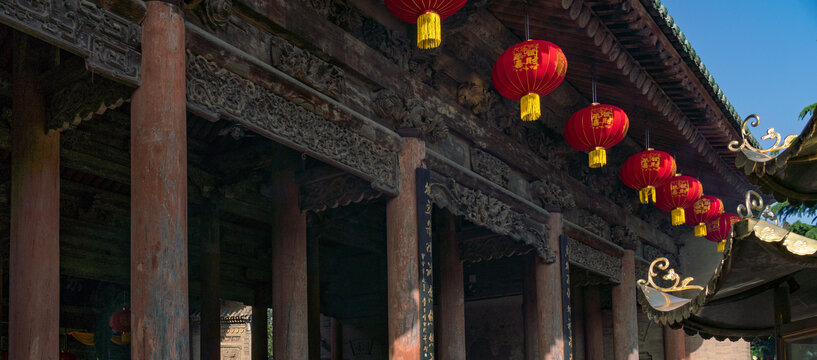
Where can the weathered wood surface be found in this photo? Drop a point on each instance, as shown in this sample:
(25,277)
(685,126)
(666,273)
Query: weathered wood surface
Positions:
(594,331)
(402,257)
(34,278)
(108,40)
(159,283)
(451,318)
(289,270)
(674,343)
(625,311)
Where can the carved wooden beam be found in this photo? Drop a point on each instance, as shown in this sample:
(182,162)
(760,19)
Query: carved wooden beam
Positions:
(335,191)
(109,41)
(82,100)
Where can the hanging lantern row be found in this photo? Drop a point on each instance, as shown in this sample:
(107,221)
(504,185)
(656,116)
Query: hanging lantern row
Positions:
(596,128)
(720,229)
(428,15)
(646,171)
(706,209)
(527,71)
(677,194)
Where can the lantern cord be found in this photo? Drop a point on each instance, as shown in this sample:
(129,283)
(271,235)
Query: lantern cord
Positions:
(648,136)
(593,82)
(527,24)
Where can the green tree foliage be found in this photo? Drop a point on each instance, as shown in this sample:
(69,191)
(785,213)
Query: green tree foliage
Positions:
(807,111)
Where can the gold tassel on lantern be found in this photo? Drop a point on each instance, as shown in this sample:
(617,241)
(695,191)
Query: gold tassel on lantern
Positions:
(678,217)
(646,194)
(530,107)
(598,157)
(721,246)
(429,30)
(700,230)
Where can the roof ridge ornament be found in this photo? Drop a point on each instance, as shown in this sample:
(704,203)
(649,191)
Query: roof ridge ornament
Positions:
(754,202)
(771,134)
(679,284)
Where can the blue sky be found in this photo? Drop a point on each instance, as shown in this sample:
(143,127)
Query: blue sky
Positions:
(763,54)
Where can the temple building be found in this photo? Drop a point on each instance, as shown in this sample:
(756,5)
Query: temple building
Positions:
(323,159)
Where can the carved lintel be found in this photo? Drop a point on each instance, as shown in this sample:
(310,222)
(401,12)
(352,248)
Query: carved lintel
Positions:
(495,215)
(223,92)
(109,41)
(82,100)
(496,247)
(307,67)
(490,167)
(336,191)
(594,260)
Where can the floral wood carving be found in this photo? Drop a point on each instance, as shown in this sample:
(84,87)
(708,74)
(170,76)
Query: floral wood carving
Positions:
(216,13)
(307,67)
(336,191)
(496,247)
(475,97)
(490,167)
(481,209)
(83,99)
(595,260)
(108,41)
(223,92)
(626,238)
(409,115)
(551,195)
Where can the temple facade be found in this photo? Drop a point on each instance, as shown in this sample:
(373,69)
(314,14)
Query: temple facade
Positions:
(384,201)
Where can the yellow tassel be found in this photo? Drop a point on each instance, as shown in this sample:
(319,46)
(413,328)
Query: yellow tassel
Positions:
(126,337)
(530,107)
(678,217)
(429,30)
(722,246)
(700,230)
(598,157)
(646,194)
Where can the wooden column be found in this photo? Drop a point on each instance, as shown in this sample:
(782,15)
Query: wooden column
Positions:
(625,321)
(159,288)
(593,324)
(337,339)
(402,258)
(314,298)
(210,273)
(290,332)
(542,301)
(34,262)
(674,344)
(259,322)
(451,318)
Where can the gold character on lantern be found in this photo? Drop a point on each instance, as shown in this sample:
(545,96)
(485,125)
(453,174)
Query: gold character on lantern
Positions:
(651,162)
(679,188)
(601,118)
(702,206)
(526,57)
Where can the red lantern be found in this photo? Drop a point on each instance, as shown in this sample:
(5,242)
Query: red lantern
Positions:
(706,209)
(720,229)
(528,70)
(120,321)
(677,194)
(596,128)
(647,170)
(427,14)
(68,356)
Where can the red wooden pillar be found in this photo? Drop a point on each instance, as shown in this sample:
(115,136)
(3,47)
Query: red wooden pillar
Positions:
(593,324)
(625,321)
(452,298)
(402,257)
(674,344)
(290,332)
(34,262)
(159,288)
(542,301)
